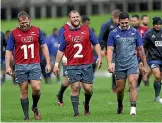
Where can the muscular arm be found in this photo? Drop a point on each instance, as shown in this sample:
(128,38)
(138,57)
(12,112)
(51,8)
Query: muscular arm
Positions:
(142,55)
(58,57)
(8,58)
(45,53)
(110,50)
(98,50)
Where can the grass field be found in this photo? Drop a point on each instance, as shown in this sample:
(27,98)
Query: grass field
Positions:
(103,103)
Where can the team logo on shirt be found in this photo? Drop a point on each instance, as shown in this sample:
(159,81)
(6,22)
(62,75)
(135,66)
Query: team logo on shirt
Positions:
(77,39)
(158,43)
(27,39)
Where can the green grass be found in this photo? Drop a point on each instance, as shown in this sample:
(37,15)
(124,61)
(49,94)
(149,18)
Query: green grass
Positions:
(103,105)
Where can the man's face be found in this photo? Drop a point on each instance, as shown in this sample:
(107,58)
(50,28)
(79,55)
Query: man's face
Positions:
(24,23)
(145,21)
(75,19)
(157,26)
(134,22)
(124,23)
(115,20)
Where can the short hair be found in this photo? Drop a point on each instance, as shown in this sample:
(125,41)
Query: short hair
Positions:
(123,15)
(116,12)
(23,15)
(143,16)
(85,18)
(55,29)
(7,31)
(73,11)
(135,16)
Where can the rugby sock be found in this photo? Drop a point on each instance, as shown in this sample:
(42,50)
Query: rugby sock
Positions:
(157,88)
(87,98)
(25,106)
(75,103)
(113,81)
(139,80)
(120,96)
(62,89)
(35,100)
(133,103)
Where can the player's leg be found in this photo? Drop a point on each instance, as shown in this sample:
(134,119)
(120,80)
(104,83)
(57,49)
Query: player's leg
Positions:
(139,81)
(22,79)
(63,87)
(35,77)
(157,81)
(24,99)
(74,77)
(147,76)
(133,74)
(87,80)
(3,73)
(119,89)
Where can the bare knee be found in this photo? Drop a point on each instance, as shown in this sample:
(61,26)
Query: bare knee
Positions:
(75,90)
(88,90)
(23,91)
(36,90)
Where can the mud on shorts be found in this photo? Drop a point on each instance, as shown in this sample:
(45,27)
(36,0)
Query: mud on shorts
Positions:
(83,73)
(123,74)
(25,72)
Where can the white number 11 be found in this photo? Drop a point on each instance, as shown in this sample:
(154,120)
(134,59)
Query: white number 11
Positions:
(24,47)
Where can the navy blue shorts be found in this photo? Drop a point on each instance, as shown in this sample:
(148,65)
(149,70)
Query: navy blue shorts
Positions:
(25,72)
(124,74)
(84,75)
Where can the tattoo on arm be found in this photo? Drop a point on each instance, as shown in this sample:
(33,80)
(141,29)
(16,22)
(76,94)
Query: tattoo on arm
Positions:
(141,51)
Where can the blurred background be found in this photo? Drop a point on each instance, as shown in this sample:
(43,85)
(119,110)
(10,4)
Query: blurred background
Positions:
(60,8)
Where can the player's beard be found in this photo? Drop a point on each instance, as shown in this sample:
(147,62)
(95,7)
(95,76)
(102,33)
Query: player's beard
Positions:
(145,24)
(25,28)
(76,23)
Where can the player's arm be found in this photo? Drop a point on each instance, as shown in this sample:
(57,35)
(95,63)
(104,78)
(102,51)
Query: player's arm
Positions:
(97,47)
(145,40)
(60,54)
(45,51)
(110,50)
(44,47)
(141,51)
(61,46)
(9,50)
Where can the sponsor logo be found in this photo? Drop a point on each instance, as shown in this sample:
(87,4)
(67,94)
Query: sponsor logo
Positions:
(153,36)
(158,43)
(82,33)
(153,66)
(118,36)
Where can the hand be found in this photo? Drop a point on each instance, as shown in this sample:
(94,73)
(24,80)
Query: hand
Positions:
(56,70)
(9,70)
(143,70)
(111,68)
(99,63)
(48,68)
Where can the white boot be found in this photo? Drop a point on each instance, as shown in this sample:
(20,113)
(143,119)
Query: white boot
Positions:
(133,111)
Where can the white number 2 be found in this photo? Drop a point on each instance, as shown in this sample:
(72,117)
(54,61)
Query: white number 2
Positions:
(24,47)
(77,54)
